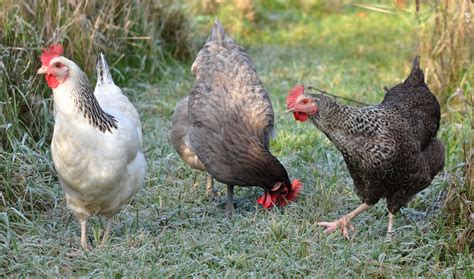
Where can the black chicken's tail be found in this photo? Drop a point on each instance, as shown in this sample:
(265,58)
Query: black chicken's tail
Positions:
(416,76)
(103,72)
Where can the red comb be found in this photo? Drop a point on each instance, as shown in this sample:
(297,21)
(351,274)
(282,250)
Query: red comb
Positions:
(50,53)
(294,93)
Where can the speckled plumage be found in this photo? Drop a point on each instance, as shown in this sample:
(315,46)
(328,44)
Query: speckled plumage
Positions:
(231,116)
(390,149)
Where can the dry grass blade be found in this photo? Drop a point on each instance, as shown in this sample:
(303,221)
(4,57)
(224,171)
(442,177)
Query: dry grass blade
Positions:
(376,8)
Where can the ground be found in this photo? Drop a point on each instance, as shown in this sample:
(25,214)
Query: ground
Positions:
(170,228)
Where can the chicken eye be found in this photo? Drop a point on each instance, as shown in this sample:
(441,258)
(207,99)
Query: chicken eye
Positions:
(305,101)
(57,65)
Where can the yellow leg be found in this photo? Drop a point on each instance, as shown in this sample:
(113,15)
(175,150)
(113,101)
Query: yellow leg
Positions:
(391,219)
(211,189)
(83,222)
(107,231)
(343,223)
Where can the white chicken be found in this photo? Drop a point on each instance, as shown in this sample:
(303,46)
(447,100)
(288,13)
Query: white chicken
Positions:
(97,140)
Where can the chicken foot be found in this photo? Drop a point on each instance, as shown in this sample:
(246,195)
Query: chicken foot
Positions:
(343,223)
(229,208)
(210,188)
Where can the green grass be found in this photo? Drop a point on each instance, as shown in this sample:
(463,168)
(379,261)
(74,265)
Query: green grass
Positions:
(170,228)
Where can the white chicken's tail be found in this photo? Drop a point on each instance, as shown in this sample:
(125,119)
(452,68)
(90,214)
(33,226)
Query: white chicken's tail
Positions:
(103,74)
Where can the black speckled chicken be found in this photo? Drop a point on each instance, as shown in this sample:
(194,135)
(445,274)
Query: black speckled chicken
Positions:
(390,149)
(231,120)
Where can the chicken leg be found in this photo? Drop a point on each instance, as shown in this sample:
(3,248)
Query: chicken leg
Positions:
(211,189)
(106,235)
(229,208)
(391,219)
(83,222)
(343,223)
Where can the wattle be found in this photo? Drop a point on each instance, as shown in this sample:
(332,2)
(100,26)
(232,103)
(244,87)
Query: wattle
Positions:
(300,116)
(267,200)
(51,81)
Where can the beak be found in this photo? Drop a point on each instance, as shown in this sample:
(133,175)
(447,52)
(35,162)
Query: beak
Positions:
(41,71)
(289,110)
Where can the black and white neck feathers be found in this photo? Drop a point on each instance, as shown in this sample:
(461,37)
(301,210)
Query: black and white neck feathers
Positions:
(88,106)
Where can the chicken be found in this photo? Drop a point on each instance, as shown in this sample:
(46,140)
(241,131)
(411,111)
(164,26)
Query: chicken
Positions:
(231,121)
(179,138)
(390,149)
(97,140)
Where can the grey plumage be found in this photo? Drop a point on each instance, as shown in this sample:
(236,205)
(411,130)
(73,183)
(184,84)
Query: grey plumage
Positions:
(231,117)
(179,138)
(179,135)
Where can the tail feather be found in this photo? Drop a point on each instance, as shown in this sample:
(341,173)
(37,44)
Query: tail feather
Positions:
(217,33)
(416,76)
(103,73)
(416,63)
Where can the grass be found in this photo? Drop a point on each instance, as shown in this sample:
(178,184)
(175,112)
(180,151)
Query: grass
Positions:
(170,228)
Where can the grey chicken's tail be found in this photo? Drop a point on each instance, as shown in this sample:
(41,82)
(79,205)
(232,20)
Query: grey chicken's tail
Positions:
(416,76)
(103,73)
(217,33)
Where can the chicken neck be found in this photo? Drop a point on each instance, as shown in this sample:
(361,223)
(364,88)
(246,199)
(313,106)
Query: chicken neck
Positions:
(75,97)
(335,120)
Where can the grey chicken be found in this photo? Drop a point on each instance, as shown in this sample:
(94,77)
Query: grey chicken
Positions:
(390,149)
(231,120)
(179,138)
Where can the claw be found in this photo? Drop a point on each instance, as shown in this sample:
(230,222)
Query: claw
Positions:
(342,224)
(330,226)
